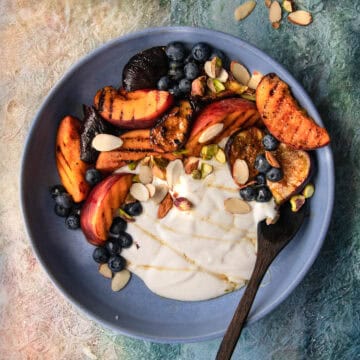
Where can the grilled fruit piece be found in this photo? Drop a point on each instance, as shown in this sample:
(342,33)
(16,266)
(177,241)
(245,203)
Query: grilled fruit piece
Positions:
(99,208)
(284,117)
(229,115)
(132,110)
(296,166)
(170,134)
(70,167)
(245,145)
(144,69)
(136,145)
(92,125)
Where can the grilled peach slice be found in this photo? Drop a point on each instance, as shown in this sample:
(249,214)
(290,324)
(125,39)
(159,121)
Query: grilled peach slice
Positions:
(69,165)
(99,208)
(219,120)
(284,117)
(132,110)
(296,166)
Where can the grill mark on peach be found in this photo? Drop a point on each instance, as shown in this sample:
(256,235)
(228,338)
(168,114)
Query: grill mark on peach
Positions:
(101,100)
(271,93)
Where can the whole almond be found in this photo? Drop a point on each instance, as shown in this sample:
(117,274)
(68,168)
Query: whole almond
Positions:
(106,142)
(210,132)
(275,12)
(240,72)
(120,280)
(240,171)
(145,174)
(244,10)
(165,206)
(271,159)
(237,206)
(139,192)
(300,17)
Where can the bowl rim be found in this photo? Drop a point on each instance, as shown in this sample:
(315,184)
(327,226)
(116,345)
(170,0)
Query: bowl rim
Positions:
(278,68)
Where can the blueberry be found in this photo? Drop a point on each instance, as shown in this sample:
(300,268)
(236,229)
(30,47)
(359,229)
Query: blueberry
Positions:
(175,51)
(263,194)
(93,176)
(260,179)
(72,222)
(101,255)
(118,225)
(164,83)
(175,91)
(65,200)
(116,263)
(56,190)
(175,65)
(76,208)
(125,240)
(248,193)
(261,164)
(185,85)
(191,71)
(61,211)
(189,58)
(218,53)
(201,52)
(113,246)
(176,74)
(270,143)
(274,174)
(134,208)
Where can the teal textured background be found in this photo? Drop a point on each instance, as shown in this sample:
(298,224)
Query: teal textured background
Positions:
(321,318)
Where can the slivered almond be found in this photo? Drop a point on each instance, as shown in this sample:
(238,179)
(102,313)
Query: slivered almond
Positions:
(240,72)
(240,171)
(120,280)
(151,188)
(139,192)
(210,132)
(244,10)
(106,142)
(236,206)
(271,159)
(165,206)
(255,79)
(191,163)
(173,172)
(105,271)
(160,193)
(275,12)
(145,175)
(300,17)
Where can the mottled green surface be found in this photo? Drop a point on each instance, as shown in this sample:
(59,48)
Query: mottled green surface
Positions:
(321,318)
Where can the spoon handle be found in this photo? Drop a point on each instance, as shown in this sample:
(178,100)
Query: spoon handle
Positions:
(238,321)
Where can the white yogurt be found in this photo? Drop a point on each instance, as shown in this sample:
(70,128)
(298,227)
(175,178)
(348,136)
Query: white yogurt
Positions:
(198,254)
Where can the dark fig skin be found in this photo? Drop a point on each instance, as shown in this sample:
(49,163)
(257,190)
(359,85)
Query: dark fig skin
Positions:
(144,69)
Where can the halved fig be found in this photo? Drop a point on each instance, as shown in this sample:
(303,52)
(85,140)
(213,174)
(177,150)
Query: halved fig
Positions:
(284,117)
(171,132)
(144,69)
(296,166)
(132,110)
(245,145)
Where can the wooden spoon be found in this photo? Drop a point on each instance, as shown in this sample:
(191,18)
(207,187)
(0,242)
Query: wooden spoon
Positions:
(271,240)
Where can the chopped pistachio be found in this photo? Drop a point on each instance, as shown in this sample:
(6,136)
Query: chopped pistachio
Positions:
(133,165)
(220,156)
(308,191)
(219,86)
(248,96)
(161,162)
(208,151)
(196,174)
(180,152)
(206,169)
(296,202)
(136,179)
(124,215)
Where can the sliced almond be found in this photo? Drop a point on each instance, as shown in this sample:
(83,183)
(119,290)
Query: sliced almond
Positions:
(120,280)
(271,159)
(237,206)
(240,72)
(210,132)
(255,80)
(105,271)
(145,175)
(191,163)
(300,17)
(173,172)
(151,188)
(210,68)
(244,10)
(223,76)
(268,3)
(160,193)
(165,206)
(288,6)
(139,192)
(275,12)
(240,171)
(106,142)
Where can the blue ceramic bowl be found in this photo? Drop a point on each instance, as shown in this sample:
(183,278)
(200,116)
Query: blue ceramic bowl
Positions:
(65,254)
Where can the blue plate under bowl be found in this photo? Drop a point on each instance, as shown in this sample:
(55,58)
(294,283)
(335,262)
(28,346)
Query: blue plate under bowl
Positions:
(65,254)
